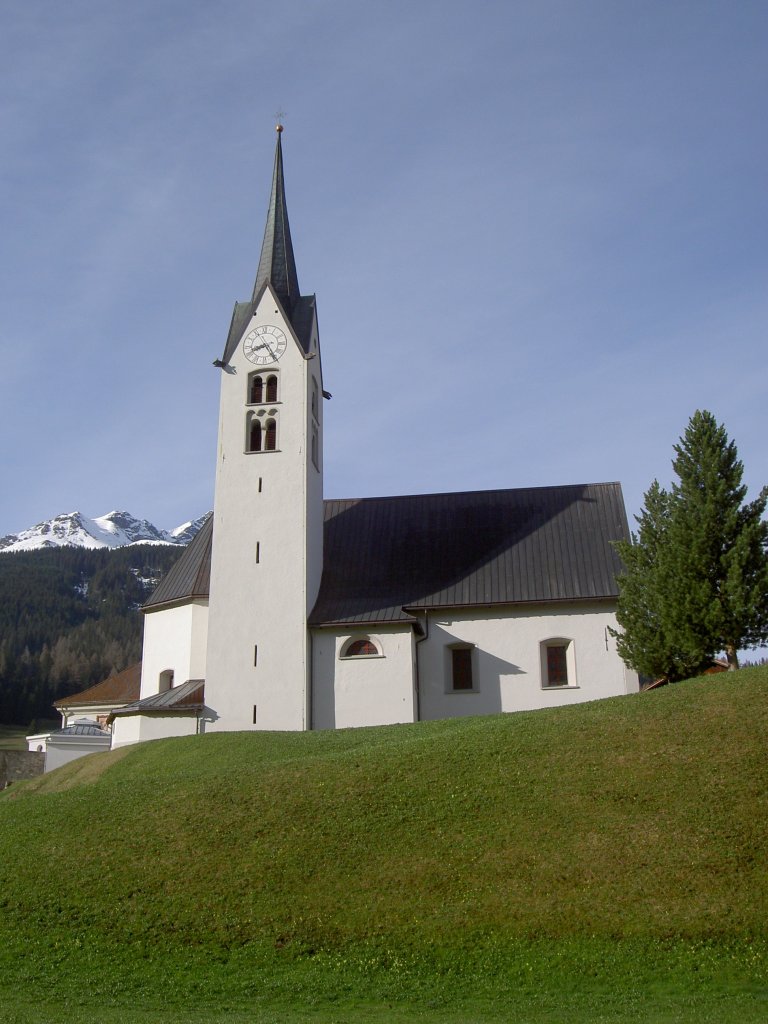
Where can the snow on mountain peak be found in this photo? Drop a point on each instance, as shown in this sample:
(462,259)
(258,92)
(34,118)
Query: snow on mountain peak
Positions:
(113,530)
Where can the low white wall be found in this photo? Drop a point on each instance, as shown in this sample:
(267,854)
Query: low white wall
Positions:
(364,690)
(507,667)
(128,729)
(70,749)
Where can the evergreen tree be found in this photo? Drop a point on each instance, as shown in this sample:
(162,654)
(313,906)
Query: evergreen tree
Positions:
(696,580)
(644,644)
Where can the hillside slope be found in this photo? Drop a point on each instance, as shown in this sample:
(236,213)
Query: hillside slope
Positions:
(642,819)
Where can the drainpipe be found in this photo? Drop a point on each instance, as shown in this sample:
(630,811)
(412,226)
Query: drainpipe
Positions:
(420,640)
(310,681)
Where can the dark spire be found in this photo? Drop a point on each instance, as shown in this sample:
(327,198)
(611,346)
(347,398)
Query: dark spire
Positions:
(277,264)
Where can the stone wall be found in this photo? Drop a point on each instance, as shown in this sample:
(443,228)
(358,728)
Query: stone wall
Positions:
(16,765)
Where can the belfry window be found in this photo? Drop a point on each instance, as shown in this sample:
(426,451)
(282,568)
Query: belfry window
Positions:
(254,436)
(270,436)
(256,390)
(262,389)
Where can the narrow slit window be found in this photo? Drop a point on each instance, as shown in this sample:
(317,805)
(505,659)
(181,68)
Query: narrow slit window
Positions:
(255,655)
(254,714)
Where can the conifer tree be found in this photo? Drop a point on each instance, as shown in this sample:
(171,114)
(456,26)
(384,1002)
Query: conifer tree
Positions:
(696,579)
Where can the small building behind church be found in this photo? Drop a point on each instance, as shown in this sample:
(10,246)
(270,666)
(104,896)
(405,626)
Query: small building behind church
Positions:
(291,612)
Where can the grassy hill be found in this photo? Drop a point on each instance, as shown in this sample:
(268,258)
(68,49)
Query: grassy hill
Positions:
(606,862)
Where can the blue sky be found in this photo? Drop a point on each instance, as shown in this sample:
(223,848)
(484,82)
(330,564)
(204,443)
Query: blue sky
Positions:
(536,230)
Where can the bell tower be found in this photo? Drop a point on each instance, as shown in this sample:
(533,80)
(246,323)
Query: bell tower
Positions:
(267,552)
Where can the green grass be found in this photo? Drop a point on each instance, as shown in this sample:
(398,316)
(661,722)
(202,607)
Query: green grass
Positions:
(13,737)
(597,863)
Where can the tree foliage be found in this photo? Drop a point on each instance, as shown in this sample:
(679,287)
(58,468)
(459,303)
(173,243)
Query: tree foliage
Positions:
(69,618)
(696,573)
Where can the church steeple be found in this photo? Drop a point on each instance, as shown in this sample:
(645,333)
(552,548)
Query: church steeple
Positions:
(277,264)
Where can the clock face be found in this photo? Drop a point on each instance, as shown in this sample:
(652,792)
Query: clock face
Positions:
(264,344)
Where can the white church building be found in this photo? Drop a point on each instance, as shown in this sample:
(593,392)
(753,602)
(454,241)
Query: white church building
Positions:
(288,611)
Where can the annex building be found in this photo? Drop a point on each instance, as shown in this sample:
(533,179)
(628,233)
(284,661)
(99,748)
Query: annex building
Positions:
(288,611)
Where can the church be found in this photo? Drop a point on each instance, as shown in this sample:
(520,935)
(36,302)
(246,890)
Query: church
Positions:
(291,612)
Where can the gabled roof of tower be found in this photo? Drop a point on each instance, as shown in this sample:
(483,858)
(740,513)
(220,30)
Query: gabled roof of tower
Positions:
(277,268)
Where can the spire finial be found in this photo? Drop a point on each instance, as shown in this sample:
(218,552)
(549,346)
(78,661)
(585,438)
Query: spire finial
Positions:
(279,118)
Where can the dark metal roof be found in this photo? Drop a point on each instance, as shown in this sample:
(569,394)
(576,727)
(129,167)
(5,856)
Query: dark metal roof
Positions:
(528,545)
(190,576)
(385,558)
(190,696)
(80,730)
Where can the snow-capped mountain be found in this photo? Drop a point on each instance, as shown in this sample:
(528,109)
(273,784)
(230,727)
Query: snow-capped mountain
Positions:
(114,530)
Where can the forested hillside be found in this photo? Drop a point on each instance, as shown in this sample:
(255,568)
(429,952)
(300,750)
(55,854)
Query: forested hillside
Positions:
(68,618)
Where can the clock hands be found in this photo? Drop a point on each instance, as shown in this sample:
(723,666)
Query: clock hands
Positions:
(273,348)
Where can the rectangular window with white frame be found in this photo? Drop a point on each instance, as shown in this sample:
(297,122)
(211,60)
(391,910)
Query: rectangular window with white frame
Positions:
(558,664)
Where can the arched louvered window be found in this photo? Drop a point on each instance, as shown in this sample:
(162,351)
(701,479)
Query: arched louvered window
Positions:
(362,648)
(257,390)
(254,436)
(270,440)
(272,388)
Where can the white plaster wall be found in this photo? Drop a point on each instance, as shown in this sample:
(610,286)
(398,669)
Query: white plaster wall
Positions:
(270,502)
(139,728)
(126,730)
(507,659)
(57,754)
(364,690)
(174,638)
